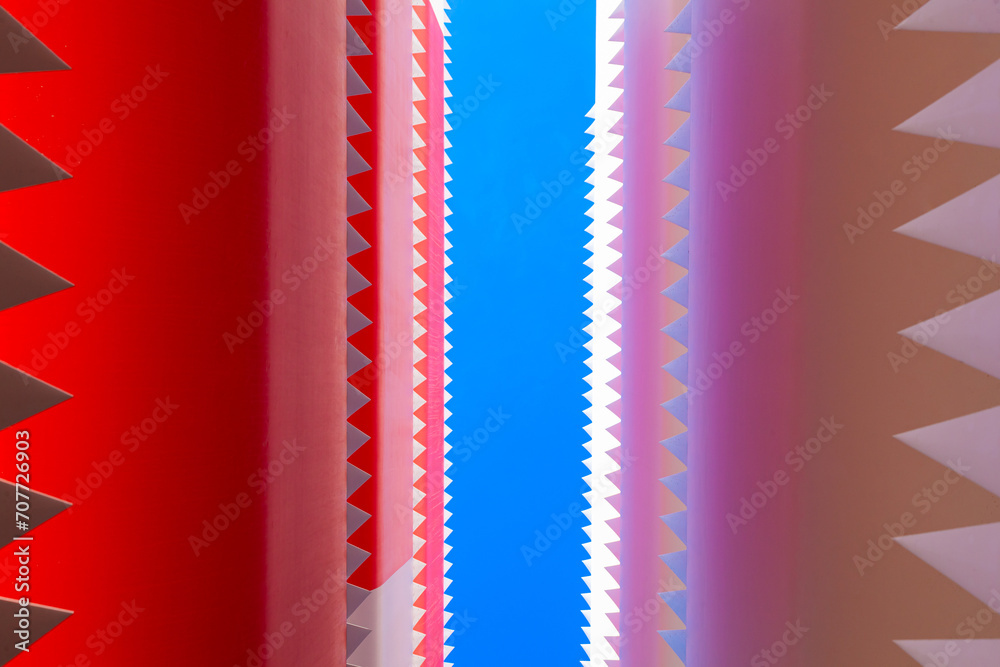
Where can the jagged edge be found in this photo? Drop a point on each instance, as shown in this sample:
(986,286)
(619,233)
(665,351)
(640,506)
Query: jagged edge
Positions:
(419,445)
(443,21)
(350,345)
(672,633)
(604,283)
(948,355)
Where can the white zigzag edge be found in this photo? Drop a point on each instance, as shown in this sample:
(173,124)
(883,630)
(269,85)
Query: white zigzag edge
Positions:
(603,281)
(440,9)
(418,329)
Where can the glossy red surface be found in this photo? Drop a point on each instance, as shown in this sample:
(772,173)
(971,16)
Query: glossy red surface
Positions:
(228,70)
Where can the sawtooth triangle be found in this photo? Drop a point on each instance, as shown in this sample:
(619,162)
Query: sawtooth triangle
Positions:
(967,556)
(355,478)
(43,508)
(678,368)
(967,114)
(43,620)
(679,253)
(678,330)
(357,8)
(682,61)
(968,335)
(971,439)
(682,24)
(356,321)
(682,100)
(355,242)
(355,202)
(355,518)
(680,215)
(677,522)
(678,407)
(24,52)
(355,123)
(678,292)
(355,400)
(677,601)
(971,652)
(677,562)
(355,45)
(355,86)
(966,224)
(355,597)
(23,396)
(681,176)
(677,641)
(355,360)
(677,483)
(682,139)
(355,439)
(355,557)
(22,280)
(678,446)
(954,16)
(21,166)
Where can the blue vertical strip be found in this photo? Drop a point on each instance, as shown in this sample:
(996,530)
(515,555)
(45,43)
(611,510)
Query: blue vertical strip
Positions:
(523,80)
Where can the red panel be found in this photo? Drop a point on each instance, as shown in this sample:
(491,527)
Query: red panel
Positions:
(228,70)
(388,265)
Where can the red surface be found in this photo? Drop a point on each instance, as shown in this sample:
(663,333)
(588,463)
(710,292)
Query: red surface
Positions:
(388,265)
(162,337)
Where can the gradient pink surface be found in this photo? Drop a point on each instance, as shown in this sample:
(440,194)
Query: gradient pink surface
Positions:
(779,228)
